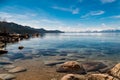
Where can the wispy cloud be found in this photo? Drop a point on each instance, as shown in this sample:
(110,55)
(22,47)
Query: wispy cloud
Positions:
(30,20)
(107,1)
(111,17)
(115,17)
(93,13)
(11,16)
(72,10)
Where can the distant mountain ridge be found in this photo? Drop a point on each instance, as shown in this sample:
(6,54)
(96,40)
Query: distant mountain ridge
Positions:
(103,31)
(110,31)
(11,27)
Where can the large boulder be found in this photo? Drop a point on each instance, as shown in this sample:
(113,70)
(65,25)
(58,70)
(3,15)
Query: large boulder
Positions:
(101,77)
(73,77)
(71,67)
(93,66)
(115,71)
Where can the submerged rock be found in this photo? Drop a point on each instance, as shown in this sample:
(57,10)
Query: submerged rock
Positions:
(6,67)
(17,69)
(5,62)
(93,66)
(73,77)
(72,67)
(101,77)
(7,76)
(115,71)
(16,56)
(104,70)
(53,63)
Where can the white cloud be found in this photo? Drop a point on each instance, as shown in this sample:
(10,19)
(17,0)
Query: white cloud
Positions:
(12,16)
(30,20)
(107,1)
(97,13)
(93,13)
(115,17)
(51,24)
(72,10)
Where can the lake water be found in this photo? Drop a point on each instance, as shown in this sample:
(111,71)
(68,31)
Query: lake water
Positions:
(90,46)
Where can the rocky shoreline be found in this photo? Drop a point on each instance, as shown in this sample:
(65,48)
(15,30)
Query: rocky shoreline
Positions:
(39,69)
(12,38)
(109,74)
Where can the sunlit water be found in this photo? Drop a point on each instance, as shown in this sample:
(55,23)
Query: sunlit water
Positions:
(97,46)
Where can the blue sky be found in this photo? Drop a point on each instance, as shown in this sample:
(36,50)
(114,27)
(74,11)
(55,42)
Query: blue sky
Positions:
(66,15)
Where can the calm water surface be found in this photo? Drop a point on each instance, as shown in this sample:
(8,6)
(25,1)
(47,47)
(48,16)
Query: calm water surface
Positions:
(97,46)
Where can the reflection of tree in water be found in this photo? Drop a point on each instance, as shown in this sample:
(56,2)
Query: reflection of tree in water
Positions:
(42,35)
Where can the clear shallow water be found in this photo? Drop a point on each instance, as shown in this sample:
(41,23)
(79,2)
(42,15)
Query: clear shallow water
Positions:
(97,46)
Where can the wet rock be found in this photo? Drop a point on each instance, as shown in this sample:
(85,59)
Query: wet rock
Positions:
(61,59)
(3,51)
(104,70)
(17,69)
(27,56)
(101,77)
(53,63)
(115,71)
(73,77)
(75,55)
(72,67)
(6,67)
(93,66)
(7,76)
(5,62)
(20,47)
(63,54)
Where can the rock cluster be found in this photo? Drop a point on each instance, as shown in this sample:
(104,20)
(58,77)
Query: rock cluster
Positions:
(11,69)
(10,38)
(112,74)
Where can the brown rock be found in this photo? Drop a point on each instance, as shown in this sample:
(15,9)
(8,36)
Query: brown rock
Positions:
(17,69)
(93,66)
(115,71)
(73,77)
(7,76)
(71,67)
(101,77)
